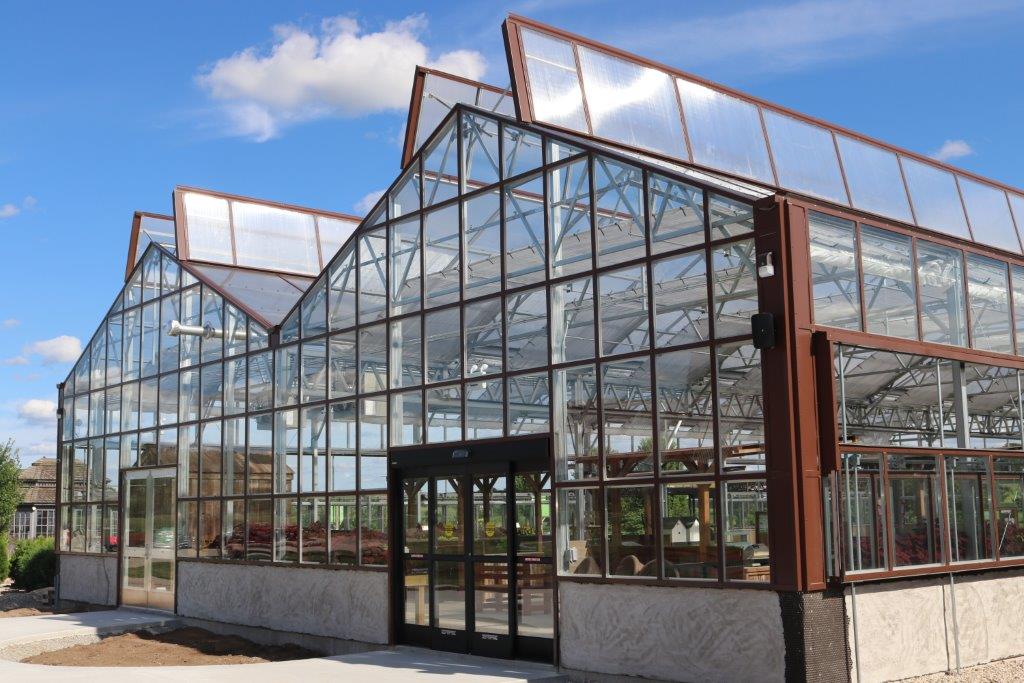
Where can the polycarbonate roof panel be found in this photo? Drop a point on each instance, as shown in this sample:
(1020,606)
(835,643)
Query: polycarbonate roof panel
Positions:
(269,295)
(554,84)
(873,175)
(632,103)
(441,92)
(248,233)
(805,157)
(935,197)
(153,229)
(989,211)
(730,132)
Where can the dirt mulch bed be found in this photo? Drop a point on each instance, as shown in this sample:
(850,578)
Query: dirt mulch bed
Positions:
(1001,671)
(180,647)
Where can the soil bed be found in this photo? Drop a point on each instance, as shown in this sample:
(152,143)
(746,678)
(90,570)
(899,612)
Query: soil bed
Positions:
(180,647)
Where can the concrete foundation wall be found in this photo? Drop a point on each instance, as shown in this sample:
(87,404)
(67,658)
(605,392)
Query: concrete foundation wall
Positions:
(678,634)
(90,579)
(352,605)
(907,628)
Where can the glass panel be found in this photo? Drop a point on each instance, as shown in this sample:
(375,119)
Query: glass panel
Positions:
(314,371)
(234,386)
(313,458)
(233,529)
(415,511)
(342,440)
(747,549)
(526,329)
(209,538)
(690,530)
(805,157)
(211,392)
(572,320)
(286,530)
(580,531)
(480,164)
(631,104)
(444,414)
(915,500)
(989,212)
(235,335)
(677,214)
(555,93)
(890,299)
(490,515)
(524,232)
(631,537)
(406,360)
(482,228)
(450,595)
(343,530)
(440,166)
(620,221)
(148,403)
(314,310)
(209,227)
(680,299)
(485,403)
(528,404)
(734,288)
(313,530)
(569,218)
(863,512)
(213,316)
(188,523)
(168,344)
(1009,494)
(373,529)
(484,339)
(993,405)
(740,408)
(535,600)
(936,198)
(406,418)
(989,297)
(685,411)
(533,513)
(114,358)
(342,364)
(873,175)
(343,291)
(260,376)
(259,523)
(626,408)
(405,198)
(150,338)
(373,361)
(373,439)
(725,132)
(575,423)
(417,590)
(834,276)
(941,277)
(969,504)
(491,588)
(405,275)
(522,151)
(234,457)
(286,446)
(441,256)
(372,278)
(443,345)
(191,315)
(623,309)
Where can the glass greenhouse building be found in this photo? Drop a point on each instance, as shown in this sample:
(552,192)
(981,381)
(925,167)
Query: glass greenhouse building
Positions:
(621,351)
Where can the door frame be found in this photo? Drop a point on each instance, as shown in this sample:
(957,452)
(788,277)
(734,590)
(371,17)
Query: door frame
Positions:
(146,474)
(505,457)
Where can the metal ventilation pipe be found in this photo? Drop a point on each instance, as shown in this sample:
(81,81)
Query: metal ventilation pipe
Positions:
(207,331)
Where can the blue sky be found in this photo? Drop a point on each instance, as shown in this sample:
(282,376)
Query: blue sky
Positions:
(105,107)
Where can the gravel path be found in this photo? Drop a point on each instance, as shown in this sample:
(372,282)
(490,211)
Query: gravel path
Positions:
(994,672)
(15,603)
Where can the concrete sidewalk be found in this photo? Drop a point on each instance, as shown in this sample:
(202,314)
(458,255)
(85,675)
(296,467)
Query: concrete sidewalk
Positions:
(28,634)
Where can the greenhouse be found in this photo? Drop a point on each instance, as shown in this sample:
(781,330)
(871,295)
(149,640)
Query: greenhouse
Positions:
(626,371)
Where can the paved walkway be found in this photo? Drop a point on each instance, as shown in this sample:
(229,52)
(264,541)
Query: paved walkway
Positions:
(381,666)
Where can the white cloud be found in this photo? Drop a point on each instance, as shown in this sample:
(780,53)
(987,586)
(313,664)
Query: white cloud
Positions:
(363,206)
(37,410)
(9,210)
(42,448)
(9,323)
(793,36)
(341,70)
(952,149)
(16,360)
(62,349)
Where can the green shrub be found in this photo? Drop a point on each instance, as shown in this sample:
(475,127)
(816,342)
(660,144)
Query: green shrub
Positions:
(33,564)
(5,561)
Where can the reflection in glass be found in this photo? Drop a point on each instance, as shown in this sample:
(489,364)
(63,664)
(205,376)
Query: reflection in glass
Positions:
(580,533)
(631,540)
(449,595)
(690,530)
(747,548)
(862,512)
(834,276)
(417,590)
(941,277)
(989,298)
(491,597)
(890,299)
(915,500)
(575,423)
(969,501)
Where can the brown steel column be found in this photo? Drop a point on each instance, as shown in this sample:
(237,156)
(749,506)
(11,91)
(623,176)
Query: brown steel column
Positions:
(794,473)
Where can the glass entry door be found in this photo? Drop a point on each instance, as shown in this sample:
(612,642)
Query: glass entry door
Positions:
(147,563)
(476,569)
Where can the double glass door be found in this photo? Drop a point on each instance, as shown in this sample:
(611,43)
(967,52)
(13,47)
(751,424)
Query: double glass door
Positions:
(476,573)
(147,563)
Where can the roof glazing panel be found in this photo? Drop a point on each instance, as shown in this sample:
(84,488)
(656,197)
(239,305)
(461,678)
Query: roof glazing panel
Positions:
(728,131)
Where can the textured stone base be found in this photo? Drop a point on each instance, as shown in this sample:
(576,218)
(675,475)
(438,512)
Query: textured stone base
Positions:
(91,580)
(351,605)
